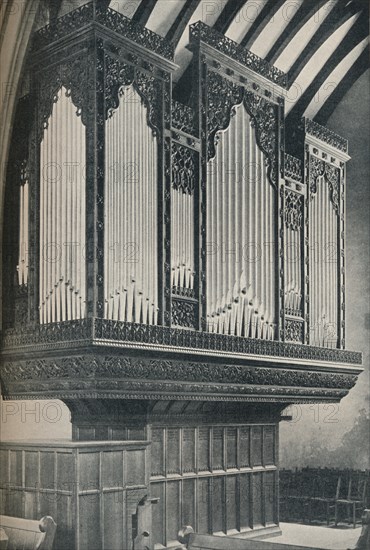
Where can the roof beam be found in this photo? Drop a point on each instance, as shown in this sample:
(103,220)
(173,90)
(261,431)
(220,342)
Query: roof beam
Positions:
(300,18)
(354,73)
(143,12)
(181,21)
(267,12)
(338,15)
(228,14)
(355,35)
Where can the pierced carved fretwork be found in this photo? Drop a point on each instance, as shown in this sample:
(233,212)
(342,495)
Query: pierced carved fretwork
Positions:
(331,173)
(120,74)
(200,32)
(223,96)
(293,168)
(265,117)
(183,168)
(84,15)
(183,117)
(58,334)
(183,313)
(293,210)
(324,134)
(75,76)
(294,331)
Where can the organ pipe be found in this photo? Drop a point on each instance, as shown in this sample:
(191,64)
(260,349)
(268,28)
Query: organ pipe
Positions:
(323,267)
(62,215)
(240,224)
(130,270)
(293,253)
(22,267)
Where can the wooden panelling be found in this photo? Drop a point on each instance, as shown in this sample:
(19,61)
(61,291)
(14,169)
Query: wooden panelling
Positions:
(83,486)
(220,479)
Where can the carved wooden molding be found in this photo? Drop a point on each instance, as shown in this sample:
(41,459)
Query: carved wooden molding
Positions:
(117,375)
(324,134)
(200,32)
(81,332)
(109,18)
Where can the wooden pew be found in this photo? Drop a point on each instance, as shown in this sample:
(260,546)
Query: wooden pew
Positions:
(28,534)
(194,541)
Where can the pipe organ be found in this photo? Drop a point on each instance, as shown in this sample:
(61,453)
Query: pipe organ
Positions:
(241,221)
(62,233)
(130,270)
(325,206)
(182,218)
(183,281)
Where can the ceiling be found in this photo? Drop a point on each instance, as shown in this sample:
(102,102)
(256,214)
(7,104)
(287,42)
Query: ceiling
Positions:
(321,44)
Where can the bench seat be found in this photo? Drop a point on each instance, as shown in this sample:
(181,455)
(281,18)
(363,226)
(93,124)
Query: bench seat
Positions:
(28,534)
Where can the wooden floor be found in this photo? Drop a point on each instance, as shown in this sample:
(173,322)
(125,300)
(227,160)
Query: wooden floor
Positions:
(331,538)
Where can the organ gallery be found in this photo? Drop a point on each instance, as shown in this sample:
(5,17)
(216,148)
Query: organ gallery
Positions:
(174,273)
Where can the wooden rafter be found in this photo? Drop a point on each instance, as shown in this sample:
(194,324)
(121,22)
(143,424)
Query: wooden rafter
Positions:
(339,15)
(356,34)
(262,19)
(230,11)
(144,11)
(300,18)
(348,80)
(182,21)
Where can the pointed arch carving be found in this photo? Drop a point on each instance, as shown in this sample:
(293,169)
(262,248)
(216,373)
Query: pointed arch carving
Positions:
(74,77)
(319,168)
(223,96)
(120,74)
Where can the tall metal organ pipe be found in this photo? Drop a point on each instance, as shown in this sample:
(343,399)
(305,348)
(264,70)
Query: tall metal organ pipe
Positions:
(130,270)
(323,267)
(241,239)
(293,253)
(62,280)
(22,267)
(182,232)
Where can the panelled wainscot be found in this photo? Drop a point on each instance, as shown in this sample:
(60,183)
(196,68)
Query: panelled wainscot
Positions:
(174,273)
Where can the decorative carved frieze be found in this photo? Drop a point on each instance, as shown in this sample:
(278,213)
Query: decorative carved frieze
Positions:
(183,168)
(53,333)
(79,18)
(56,334)
(200,32)
(324,134)
(293,168)
(117,367)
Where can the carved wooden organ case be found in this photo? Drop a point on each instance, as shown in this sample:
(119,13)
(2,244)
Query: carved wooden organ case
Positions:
(185,233)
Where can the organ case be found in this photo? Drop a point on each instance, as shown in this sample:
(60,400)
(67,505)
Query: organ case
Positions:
(197,310)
